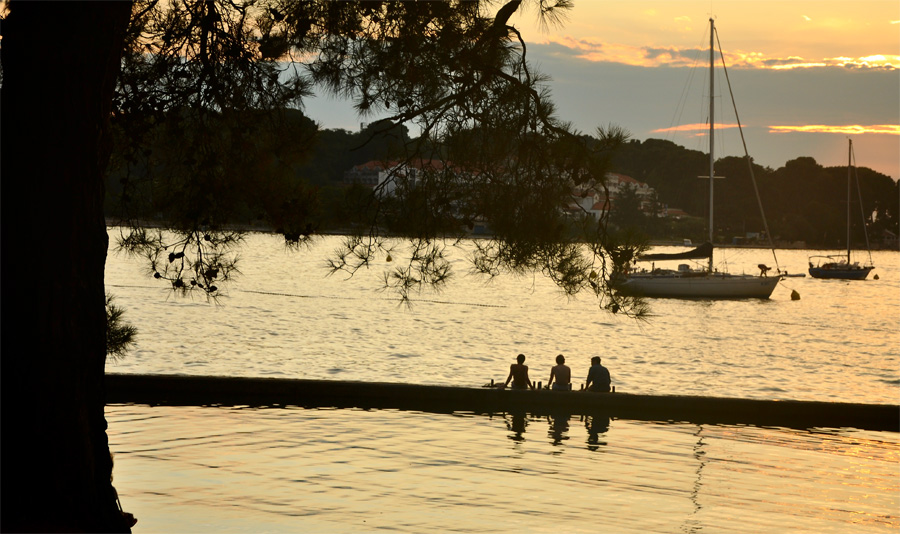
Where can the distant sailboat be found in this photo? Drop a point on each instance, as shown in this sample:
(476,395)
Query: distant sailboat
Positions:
(698,283)
(840,267)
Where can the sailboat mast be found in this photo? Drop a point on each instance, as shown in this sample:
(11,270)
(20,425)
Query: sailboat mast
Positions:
(712,127)
(849,171)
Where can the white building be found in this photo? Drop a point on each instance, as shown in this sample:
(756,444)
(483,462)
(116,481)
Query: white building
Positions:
(387,175)
(594,202)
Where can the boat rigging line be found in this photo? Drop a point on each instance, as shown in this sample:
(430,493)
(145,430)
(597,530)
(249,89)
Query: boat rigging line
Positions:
(861,209)
(747,154)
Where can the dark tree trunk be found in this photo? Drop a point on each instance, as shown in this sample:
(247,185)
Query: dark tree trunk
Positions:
(60,61)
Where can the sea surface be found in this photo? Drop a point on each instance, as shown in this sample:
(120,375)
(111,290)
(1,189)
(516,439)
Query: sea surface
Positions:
(240,469)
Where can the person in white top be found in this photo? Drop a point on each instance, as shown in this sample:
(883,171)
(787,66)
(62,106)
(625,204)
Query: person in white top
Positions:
(563,375)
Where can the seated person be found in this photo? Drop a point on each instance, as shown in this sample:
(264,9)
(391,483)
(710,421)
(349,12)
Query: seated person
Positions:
(598,378)
(518,373)
(563,375)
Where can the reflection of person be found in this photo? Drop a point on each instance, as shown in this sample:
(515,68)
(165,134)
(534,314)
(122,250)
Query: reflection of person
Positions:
(562,374)
(596,425)
(598,376)
(518,373)
(559,427)
(517,425)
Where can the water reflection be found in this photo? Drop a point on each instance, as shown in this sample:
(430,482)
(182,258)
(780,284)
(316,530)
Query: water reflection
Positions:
(692,522)
(559,428)
(597,425)
(189,469)
(516,423)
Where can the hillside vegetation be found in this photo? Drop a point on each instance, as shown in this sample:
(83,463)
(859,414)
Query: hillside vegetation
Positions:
(803,201)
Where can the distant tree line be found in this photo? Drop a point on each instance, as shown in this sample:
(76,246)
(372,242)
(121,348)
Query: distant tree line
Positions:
(803,201)
(289,181)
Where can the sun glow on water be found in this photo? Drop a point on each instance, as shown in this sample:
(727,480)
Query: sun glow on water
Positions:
(185,469)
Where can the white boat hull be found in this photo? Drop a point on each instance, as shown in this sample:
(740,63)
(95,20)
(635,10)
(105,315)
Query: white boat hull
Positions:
(707,286)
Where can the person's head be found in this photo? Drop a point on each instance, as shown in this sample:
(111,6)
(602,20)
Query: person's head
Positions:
(520,358)
(595,360)
(560,359)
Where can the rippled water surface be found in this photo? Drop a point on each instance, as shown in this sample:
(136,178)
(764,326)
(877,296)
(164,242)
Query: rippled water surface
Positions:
(182,469)
(296,470)
(284,317)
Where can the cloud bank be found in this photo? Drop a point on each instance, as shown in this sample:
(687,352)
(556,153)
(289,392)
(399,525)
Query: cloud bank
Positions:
(786,113)
(650,56)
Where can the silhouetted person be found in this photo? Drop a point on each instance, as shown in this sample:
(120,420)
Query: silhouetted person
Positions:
(598,377)
(518,373)
(562,374)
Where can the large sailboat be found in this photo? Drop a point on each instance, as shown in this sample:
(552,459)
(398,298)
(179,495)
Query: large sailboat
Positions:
(703,283)
(840,267)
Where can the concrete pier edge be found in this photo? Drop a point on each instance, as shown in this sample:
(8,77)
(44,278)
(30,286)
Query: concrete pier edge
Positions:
(186,390)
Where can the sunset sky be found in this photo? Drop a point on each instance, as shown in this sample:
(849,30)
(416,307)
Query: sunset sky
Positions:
(806,75)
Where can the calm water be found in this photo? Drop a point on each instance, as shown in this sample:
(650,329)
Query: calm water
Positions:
(292,470)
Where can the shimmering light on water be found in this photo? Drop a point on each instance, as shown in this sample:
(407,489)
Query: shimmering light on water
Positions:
(297,470)
(294,470)
(284,317)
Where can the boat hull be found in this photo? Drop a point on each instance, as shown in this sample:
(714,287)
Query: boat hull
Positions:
(711,286)
(852,273)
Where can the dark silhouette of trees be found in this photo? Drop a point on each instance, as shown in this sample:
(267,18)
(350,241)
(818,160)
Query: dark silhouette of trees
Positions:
(194,95)
(120,335)
(199,98)
(670,169)
(459,76)
(735,200)
(811,218)
(803,201)
(56,465)
(626,209)
(885,197)
(809,203)
(795,204)
(336,151)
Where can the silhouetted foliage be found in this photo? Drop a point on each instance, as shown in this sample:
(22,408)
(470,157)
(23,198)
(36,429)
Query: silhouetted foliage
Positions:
(627,211)
(206,130)
(803,201)
(203,96)
(120,335)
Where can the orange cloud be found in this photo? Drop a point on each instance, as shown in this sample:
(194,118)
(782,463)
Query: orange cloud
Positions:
(877,61)
(852,129)
(697,127)
(649,56)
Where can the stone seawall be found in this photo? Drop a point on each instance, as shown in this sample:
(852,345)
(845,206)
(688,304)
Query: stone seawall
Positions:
(180,390)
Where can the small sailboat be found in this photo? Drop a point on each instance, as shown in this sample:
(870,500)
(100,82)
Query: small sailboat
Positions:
(703,283)
(840,267)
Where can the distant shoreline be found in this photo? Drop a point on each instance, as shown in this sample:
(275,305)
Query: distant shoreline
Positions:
(267,229)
